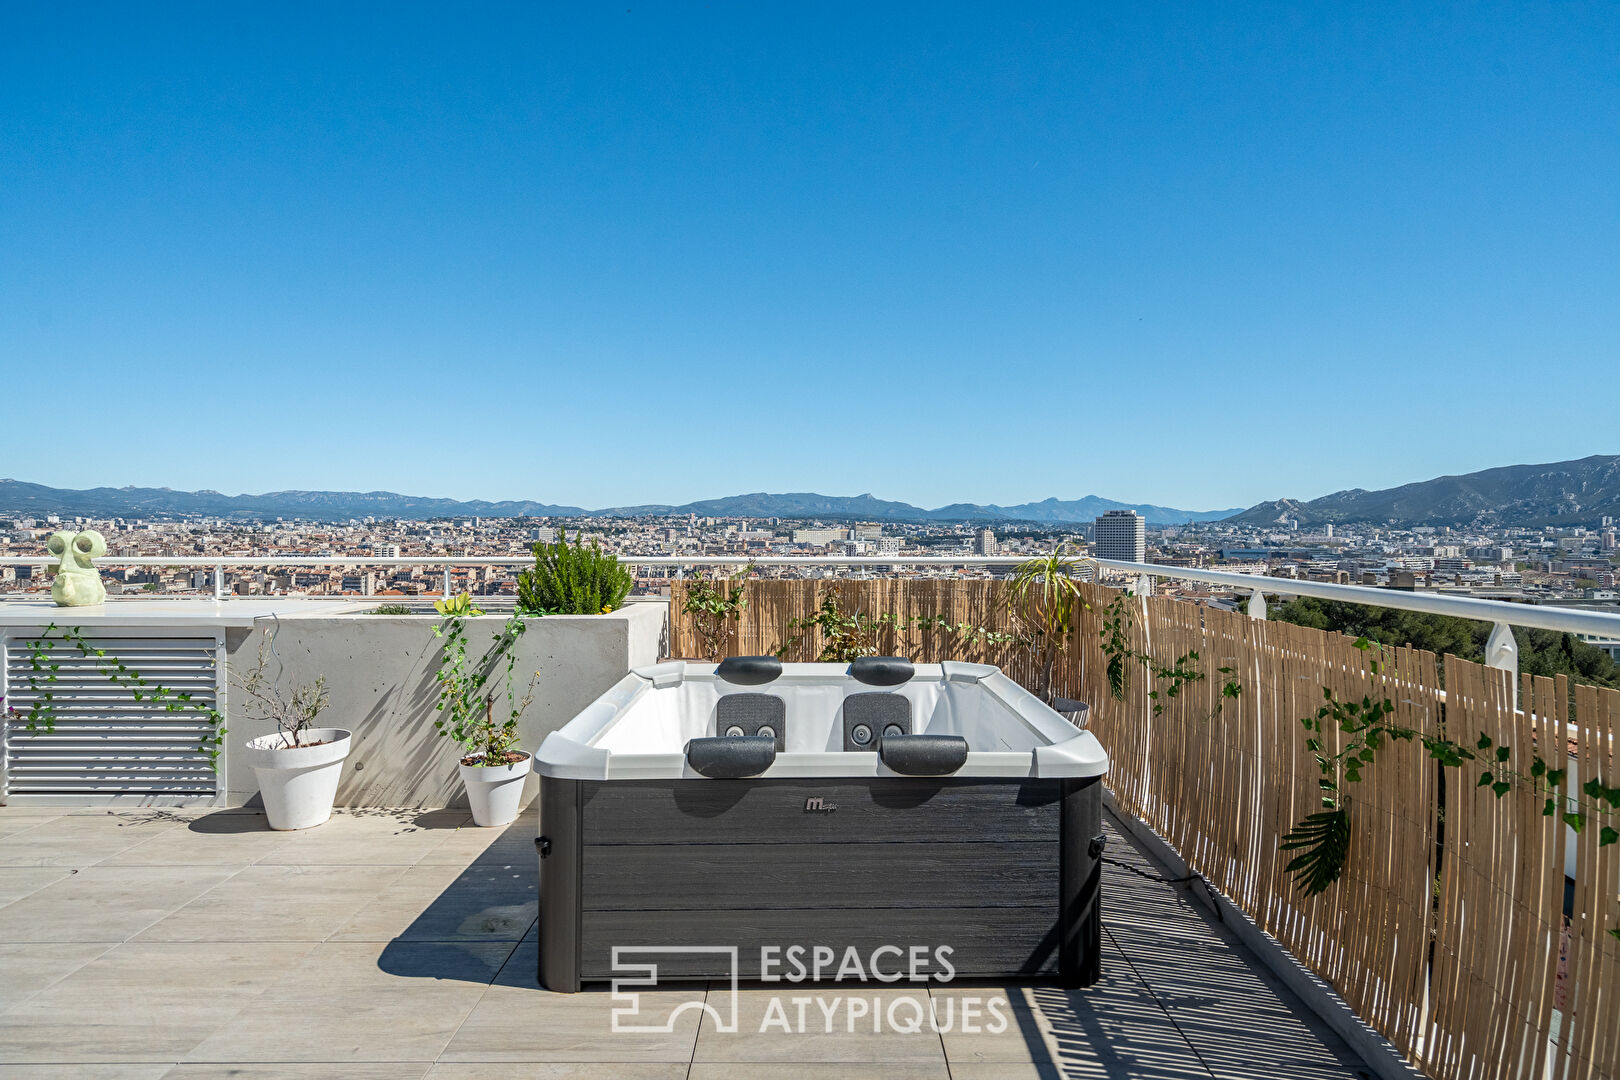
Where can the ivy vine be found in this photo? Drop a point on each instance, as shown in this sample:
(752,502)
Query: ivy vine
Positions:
(467,711)
(1168,680)
(1323,838)
(43,668)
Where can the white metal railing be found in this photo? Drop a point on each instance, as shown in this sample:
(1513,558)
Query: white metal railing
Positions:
(1500,650)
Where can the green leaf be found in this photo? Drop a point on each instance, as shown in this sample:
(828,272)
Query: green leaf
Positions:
(1323,840)
(1538,768)
(1501,753)
(1575,820)
(1485,778)
(1607,836)
(1484,741)
(1550,808)
(1501,787)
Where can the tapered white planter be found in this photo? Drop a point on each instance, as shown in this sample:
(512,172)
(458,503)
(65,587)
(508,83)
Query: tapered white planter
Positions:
(495,792)
(298,783)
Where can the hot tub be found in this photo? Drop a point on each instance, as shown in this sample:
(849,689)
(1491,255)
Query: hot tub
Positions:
(747,818)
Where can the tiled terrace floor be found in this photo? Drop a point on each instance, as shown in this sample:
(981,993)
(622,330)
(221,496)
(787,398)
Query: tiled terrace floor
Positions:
(150,943)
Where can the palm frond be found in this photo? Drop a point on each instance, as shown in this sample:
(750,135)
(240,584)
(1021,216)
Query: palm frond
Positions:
(1323,843)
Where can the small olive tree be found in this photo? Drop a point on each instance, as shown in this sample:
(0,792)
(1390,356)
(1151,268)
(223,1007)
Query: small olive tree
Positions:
(292,709)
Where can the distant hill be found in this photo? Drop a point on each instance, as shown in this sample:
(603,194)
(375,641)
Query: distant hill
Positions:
(18,497)
(1566,493)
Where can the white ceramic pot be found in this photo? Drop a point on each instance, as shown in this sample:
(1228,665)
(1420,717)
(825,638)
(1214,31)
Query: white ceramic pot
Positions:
(495,792)
(298,783)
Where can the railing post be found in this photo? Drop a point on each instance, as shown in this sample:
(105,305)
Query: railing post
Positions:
(219,583)
(680,572)
(447,582)
(1144,584)
(1257,606)
(1502,652)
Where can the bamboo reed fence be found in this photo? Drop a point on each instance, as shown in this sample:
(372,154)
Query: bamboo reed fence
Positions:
(1447,932)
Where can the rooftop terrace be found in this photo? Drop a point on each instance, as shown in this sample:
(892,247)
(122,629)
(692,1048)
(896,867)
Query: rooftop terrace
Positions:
(169,932)
(147,943)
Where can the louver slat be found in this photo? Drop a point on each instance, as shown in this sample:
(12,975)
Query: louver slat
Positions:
(105,743)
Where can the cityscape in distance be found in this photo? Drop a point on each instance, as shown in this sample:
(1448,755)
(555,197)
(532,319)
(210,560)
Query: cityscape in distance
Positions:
(1532,534)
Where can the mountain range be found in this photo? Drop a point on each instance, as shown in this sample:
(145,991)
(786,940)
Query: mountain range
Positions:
(20,497)
(1564,493)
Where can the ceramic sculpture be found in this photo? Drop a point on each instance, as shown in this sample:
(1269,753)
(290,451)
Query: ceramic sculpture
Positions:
(77,584)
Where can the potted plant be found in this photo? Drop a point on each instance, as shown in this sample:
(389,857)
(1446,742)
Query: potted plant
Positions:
(492,768)
(298,767)
(1042,604)
(572,579)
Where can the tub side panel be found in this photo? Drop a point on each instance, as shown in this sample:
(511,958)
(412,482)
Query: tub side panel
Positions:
(970,864)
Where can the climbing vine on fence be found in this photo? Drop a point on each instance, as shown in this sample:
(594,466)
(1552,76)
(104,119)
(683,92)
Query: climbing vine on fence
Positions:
(1168,680)
(1365,726)
(43,667)
(846,636)
(1323,838)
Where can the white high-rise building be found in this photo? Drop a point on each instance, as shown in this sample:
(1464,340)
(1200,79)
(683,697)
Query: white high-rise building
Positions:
(1122,535)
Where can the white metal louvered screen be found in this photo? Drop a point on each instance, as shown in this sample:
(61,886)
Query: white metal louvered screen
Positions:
(107,746)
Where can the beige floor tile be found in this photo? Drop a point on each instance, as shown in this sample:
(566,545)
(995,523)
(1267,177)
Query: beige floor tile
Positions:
(360,837)
(275,903)
(106,903)
(525,1023)
(10,811)
(488,901)
(313,1070)
(11,825)
(82,1071)
(843,1070)
(360,1001)
(462,845)
(17,882)
(837,1025)
(558,1070)
(80,840)
(142,1002)
(1013,1030)
(25,970)
(214,839)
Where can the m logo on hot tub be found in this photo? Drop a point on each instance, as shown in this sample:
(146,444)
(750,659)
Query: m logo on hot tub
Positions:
(815,804)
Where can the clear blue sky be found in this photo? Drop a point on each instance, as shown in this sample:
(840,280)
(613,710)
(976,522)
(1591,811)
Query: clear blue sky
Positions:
(1195,255)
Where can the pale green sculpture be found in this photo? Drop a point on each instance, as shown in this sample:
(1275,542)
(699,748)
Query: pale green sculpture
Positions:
(77,584)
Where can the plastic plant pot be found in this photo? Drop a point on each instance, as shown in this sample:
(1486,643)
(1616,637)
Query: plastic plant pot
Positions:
(298,783)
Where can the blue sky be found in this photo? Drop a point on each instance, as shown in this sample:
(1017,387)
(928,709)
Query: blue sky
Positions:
(1196,255)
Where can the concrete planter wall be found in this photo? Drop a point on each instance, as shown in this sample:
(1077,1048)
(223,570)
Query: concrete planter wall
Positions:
(380,670)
